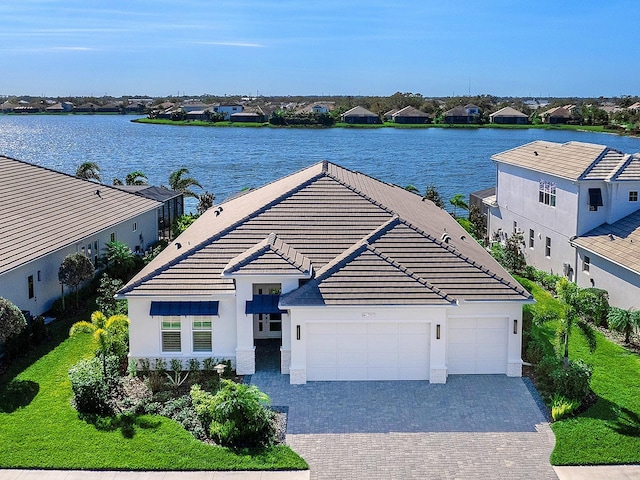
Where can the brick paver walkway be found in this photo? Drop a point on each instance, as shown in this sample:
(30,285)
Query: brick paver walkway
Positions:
(474,427)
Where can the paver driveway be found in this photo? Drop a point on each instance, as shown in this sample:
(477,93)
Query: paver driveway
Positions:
(474,427)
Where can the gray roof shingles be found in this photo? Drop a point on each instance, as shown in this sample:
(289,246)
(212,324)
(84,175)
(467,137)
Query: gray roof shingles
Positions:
(351,229)
(44,211)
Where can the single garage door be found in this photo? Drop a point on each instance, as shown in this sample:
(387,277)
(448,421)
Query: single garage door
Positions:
(477,345)
(368,351)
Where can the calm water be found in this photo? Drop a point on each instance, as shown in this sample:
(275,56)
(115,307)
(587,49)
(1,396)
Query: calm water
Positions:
(225,160)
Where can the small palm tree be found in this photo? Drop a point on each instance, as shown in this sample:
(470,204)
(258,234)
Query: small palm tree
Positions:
(569,296)
(118,258)
(182,184)
(88,171)
(458,202)
(625,321)
(136,178)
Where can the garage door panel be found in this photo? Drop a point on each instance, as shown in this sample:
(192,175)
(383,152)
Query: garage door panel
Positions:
(477,346)
(463,335)
(491,336)
(368,351)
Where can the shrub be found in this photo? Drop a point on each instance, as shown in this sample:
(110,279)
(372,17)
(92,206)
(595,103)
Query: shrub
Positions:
(543,370)
(236,416)
(12,321)
(91,388)
(536,350)
(573,382)
(562,407)
(529,272)
(594,305)
(160,366)
(543,315)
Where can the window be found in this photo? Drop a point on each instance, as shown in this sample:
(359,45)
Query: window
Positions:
(515,227)
(547,248)
(135,226)
(531,237)
(39,276)
(95,253)
(633,196)
(31,287)
(547,193)
(201,326)
(586,264)
(171,341)
(113,236)
(595,199)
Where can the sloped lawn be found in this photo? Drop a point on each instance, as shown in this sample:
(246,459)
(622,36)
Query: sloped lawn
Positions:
(609,431)
(40,429)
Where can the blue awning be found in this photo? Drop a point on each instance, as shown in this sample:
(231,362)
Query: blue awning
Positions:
(167,309)
(263,304)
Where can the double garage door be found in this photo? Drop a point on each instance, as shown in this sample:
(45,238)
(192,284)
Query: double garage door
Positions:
(477,345)
(368,351)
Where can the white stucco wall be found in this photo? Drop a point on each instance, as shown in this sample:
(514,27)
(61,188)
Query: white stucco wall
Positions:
(13,284)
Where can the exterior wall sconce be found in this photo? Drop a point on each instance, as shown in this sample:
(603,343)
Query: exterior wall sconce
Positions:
(297,332)
(438,331)
(515,326)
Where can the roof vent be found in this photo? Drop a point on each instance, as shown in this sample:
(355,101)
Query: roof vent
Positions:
(178,245)
(445,237)
(535,152)
(325,166)
(611,236)
(463,238)
(98,193)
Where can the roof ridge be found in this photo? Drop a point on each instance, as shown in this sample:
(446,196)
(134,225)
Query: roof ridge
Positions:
(619,168)
(360,192)
(593,164)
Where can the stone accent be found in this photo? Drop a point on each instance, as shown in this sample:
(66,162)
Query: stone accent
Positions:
(246,361)
(285,361)
(297,376)
(514,369)
(438,375)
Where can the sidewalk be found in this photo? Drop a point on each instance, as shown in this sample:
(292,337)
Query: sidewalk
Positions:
(600,472)
(110,475)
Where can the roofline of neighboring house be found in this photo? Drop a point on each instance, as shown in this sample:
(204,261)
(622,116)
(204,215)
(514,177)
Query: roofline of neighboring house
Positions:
(575,245)
(191,296)
(527,301)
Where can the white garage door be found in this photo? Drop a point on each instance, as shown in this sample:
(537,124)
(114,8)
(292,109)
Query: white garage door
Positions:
(477,345)
(368,351)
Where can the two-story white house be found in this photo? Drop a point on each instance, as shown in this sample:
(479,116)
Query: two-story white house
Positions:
(576,205)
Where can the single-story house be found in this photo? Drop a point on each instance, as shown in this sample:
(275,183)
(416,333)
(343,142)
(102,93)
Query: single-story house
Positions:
(409,115)
(354,278)
(467,114)
(360,115)
(253,115)
(556,115)
(508,115)
(47,215)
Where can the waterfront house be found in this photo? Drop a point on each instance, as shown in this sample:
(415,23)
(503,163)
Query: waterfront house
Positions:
(467,114)
(556,115)
(576,205)
(409,115)
(47,215)
(508,116)
(359,115)
(354,279)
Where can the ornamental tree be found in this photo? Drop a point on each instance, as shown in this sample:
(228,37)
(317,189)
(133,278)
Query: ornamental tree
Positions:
(75,269)
(12,321)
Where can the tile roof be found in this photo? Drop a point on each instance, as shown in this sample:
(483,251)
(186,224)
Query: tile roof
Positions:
(508,112)
(409,111)
(152,192)
(44,211)
(571,160)
(359,112)
(350,228)
(618,242)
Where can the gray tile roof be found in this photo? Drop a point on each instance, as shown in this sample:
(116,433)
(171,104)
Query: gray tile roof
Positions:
(152,192)
(410,111)
(44,211)
(508,112)
(359,112)
(571,160)
(618,242)
(352,230)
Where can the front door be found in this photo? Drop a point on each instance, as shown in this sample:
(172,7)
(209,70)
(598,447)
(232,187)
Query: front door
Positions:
(267,325)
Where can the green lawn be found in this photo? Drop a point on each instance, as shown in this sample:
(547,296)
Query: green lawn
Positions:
(40,429)
(609,431)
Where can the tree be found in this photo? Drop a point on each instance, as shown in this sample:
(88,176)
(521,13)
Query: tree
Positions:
(182,184)
(411,188)
(117,181)
(106,300)
(432,194)
(75,269)
(118,258)
(569,296)
(478,222)
(12,321)
(88,171)
(135,178)
(205,202)
(458,202)
(513,258)
(625,321)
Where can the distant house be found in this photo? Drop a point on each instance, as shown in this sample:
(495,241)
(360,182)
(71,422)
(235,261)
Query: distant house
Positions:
(536,103)
(172,204)
(86,108)
(7,107)
(47,215)
(227,110)
(409,115)
(508,116)
(483,199)
(61,107)
(467,114)
(109,108)
(556,115)
(578,208)
(360,115)
(201,115)
(322,107)
(189,107)
(253,115)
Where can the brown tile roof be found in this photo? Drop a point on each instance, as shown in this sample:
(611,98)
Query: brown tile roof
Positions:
(44,211)
(571,160)
(618,242)
(350,227)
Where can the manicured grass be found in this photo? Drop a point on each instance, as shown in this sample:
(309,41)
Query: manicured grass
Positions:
(609,431)
(40,429)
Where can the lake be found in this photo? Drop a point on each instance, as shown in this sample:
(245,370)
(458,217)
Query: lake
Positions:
(225,160)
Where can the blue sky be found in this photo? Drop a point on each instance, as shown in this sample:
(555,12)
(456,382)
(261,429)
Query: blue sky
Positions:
(347,47)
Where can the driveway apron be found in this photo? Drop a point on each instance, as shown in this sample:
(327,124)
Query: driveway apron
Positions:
(474,427)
